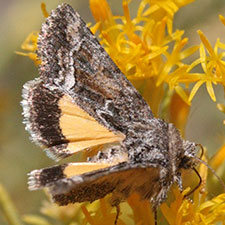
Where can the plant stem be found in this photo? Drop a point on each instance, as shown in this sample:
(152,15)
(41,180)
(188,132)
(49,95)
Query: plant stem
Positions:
(8,208)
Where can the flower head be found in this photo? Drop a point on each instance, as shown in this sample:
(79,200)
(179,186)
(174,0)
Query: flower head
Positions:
(201,211)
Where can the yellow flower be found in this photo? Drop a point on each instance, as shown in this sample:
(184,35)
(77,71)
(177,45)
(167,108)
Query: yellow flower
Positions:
(212,64)
(184,212)
(102,214)
(142,213)
(161,8)
(30,44)
(198,211)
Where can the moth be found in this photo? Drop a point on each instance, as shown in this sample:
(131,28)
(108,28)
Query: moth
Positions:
(82,101)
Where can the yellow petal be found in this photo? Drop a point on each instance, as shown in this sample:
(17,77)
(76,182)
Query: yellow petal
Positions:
(193,64)
(221,107)
(126,11)
(212,204)
(210,90)
(156,53)
(100,10)
(31,55)
(88,215)
(30,43)
(151,10)
(169,6)
(203,171)
(203,57)
(188,52)
(206,43)
(160,31)
(195,89)
(95,27)
(44,11)
(182,94)
(141,210)
(168,213)
(221,45)
(222,18)
(33,219)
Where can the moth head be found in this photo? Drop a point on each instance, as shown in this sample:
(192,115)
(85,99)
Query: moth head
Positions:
(188,158)
(185,155)
(181,151)
(194,159)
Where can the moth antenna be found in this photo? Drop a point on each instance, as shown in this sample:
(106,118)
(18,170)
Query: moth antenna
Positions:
(202,150)
(212,170)
(197,186)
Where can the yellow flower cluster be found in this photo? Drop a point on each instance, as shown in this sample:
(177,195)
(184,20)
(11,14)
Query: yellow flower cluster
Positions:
(184,212)
(146,48)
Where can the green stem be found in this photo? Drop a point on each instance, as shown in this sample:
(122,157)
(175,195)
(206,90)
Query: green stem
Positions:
(8,208)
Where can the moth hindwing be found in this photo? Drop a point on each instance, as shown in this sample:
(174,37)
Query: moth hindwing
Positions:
(82,101)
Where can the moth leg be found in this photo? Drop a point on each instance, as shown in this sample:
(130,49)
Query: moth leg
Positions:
(155,217)
(117,213)
(178,181)
(110,154)
(161,195)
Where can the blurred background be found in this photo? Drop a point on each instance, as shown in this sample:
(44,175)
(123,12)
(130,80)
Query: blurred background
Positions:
(18,155)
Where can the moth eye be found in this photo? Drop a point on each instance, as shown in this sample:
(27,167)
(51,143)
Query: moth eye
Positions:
(185,163)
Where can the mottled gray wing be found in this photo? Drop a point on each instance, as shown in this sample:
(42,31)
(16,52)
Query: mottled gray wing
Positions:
(74,64)
(122,180)
(74,61)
